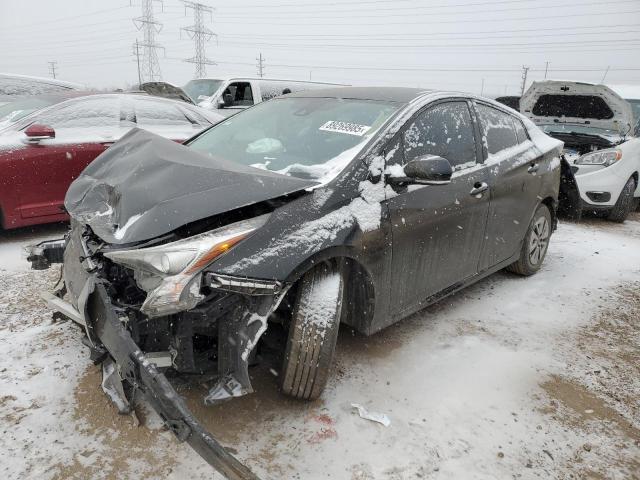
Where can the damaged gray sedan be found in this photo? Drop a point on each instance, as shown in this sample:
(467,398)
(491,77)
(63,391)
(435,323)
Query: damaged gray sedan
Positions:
(254,242)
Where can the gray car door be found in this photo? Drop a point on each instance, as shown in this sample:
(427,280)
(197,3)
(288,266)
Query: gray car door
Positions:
(437,230)
(513,164)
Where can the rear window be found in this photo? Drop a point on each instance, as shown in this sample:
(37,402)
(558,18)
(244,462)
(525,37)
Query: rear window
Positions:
(575,106)
(150,112)
(521,132)
(498,129)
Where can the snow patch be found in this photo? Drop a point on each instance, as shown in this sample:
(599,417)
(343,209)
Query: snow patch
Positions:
(120,232)
(326,294)
(364,211)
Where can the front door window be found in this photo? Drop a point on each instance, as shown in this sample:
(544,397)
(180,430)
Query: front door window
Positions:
(241,94)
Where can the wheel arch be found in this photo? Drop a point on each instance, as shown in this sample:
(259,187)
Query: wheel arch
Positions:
(359,286)
(551,205)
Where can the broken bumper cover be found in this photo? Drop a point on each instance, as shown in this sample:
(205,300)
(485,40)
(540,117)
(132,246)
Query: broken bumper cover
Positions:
(123,361)
(142,374)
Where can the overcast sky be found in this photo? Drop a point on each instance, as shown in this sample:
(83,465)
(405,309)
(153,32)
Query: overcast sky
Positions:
(451,44)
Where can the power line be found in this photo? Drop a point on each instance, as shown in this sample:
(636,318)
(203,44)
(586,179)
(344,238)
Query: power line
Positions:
(244,7)
(149,27)
(72,53)
(331,21)
(388,37)
(50,21)
(513,69)
(368,46)
(326,14)
(200,35)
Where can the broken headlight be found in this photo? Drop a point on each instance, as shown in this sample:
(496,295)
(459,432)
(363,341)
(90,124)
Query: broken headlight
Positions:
(601,157)
(170,273)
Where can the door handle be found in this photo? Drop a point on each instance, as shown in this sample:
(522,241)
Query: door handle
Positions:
(533,168)
(478,189)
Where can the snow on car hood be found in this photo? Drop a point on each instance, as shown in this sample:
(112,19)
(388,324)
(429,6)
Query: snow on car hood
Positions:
(559,102)
(145,186)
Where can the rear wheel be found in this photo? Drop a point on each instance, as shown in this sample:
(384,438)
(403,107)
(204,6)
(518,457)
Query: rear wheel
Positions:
(536,241)
(624,205)
(313,332)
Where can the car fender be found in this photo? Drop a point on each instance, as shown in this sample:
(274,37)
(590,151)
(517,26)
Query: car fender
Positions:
(630,161)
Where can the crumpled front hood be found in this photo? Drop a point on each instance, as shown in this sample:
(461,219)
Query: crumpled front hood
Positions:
(145,186)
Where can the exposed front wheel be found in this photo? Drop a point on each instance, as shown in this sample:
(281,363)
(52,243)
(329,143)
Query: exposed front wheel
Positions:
(313,332)
(624,205)
(536,242)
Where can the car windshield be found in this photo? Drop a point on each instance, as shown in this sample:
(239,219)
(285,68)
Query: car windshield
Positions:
(198,89)
(310,138)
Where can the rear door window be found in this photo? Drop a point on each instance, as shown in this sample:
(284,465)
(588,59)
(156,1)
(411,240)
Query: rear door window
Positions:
(498,130)
(444,130)
(151,113)
(93,112)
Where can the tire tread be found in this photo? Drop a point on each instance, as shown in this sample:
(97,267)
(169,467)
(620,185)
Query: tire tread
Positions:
(625,203)
(308,354)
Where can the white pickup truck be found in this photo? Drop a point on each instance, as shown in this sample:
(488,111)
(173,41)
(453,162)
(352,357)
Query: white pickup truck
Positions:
(232,95)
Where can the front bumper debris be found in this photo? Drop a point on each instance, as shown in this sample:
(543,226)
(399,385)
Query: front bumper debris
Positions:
(142,375)
(127,370)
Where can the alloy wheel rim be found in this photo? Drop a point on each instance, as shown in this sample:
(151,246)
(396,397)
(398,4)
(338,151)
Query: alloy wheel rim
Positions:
(539,240)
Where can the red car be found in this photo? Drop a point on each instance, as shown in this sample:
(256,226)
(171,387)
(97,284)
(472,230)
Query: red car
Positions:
(44,152)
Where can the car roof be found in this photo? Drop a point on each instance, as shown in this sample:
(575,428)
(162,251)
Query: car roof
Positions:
(42,80)
(387,94)
(213,117)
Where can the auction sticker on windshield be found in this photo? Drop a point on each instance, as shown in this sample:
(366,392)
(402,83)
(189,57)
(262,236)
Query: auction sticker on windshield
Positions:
(345,127)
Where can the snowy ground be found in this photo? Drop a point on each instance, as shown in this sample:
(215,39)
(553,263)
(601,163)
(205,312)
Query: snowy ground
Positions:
(511,378)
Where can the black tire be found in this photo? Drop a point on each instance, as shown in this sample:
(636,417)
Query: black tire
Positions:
(313,332)
(536,242)
(624,205)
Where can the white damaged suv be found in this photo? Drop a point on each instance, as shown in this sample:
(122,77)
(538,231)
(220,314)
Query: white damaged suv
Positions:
(601,146)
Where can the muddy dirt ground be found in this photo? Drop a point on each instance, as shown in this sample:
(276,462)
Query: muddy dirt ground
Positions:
(511,378)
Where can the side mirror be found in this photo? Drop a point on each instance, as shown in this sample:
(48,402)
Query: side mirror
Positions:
(426,170)
(37,132)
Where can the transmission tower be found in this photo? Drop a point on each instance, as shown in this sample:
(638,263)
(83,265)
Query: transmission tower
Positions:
(260,65)
(136,52)
(149,27)
(525,71)
(199,34)
(52,68)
